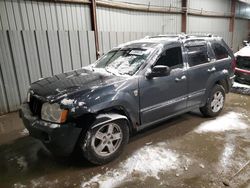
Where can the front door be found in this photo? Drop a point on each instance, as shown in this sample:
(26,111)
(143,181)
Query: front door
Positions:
(161,97)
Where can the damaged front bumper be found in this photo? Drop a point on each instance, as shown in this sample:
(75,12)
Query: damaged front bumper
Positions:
(60,139)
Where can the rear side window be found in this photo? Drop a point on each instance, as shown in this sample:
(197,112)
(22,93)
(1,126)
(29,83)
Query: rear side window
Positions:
(219,51)
(197,55)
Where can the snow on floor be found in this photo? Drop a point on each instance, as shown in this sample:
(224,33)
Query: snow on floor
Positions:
(24,132)
(22,163)
(148,161)
(229,121)
(238,85)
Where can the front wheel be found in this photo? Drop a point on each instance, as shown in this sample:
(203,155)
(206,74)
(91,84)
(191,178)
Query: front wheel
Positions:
(104,143)
(215,102)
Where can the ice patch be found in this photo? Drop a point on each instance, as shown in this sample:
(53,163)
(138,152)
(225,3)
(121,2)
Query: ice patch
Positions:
(22,163)
(236,84)
(67,101)
(148,161)
(24,132)
(81,103)
(225,71)
(229,121)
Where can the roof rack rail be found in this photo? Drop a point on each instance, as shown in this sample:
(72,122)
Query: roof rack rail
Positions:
(181,36)
(201,35)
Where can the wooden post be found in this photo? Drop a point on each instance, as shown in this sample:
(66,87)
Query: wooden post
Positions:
(232,21)
(184,16)
(93,18)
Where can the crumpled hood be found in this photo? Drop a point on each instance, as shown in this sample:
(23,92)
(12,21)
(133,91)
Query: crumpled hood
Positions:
(67,84)
(244,52)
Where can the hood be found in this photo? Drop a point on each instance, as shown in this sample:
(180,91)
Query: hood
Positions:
(67,84)
(244,52)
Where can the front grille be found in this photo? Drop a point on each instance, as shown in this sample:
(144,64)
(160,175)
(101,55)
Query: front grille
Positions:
(35,105)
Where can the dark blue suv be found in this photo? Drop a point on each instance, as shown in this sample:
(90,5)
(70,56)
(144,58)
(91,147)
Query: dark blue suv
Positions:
(95,109)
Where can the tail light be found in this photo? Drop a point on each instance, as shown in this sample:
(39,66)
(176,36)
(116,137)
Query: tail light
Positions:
(233,65)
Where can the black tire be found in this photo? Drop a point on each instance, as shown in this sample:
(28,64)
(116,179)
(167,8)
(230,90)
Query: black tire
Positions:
(88,148)
(208,110)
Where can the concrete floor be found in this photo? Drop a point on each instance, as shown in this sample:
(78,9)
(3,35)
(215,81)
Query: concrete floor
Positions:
(187,151)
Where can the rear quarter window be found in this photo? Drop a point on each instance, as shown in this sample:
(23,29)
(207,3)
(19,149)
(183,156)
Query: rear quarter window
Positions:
(220,51)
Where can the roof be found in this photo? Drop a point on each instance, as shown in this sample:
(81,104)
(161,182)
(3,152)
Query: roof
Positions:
(243,52)
(151,41)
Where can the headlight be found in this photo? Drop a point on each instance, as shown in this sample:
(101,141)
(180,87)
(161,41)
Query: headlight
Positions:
(53,113)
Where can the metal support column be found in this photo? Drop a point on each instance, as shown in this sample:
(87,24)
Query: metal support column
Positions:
(93,18)
(232,21)
(184,16)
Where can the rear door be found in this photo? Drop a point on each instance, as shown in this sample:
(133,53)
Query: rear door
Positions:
(201,67)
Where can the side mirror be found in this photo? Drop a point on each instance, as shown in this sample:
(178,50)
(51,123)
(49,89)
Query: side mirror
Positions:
(158,71)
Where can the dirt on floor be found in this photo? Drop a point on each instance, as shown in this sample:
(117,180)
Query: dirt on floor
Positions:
(186,151)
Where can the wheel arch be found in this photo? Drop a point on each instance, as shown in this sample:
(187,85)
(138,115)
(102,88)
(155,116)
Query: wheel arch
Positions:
(105,115)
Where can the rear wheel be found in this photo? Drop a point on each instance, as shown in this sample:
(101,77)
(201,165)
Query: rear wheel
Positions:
(215,102)
(104,143)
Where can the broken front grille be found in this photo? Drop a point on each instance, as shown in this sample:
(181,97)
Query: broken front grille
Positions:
(35,105)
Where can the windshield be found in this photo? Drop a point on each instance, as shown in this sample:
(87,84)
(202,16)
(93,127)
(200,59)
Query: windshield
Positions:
(123,61)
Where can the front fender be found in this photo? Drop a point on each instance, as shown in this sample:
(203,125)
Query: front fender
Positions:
(102,119)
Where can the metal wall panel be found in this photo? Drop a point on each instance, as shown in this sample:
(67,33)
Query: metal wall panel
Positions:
(54,52)
(242,9)
(8,71)
(43,53)
(205,25)
(110,19)
(3,15)
(65,51)
(3,98)
(84,48)
(37,15)
(222,6)
(26,56)
(20,64)
(173,3)
(91,44)
(10,14)
(240,33)
(75,49)
(34,68)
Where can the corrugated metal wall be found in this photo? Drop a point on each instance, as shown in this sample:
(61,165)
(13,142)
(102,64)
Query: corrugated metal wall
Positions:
(218,26)
(39,39)
(240,33)
(33,15)
(109,19)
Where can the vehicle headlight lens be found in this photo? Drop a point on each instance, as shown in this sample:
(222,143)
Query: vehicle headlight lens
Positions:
(53,113)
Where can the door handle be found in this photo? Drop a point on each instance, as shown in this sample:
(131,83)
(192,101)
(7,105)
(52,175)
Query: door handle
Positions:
(181,79)
(211,70)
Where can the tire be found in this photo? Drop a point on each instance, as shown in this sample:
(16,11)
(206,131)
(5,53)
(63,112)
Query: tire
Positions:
(215,102)
(102,144)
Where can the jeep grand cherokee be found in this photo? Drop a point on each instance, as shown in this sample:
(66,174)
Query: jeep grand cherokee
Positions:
(96,109)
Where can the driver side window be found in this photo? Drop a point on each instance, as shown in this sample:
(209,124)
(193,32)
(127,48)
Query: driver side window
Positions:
(171,58)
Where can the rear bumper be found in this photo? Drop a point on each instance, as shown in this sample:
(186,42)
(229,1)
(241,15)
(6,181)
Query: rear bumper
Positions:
(60,139)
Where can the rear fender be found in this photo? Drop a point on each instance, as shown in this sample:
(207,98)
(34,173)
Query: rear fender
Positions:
(221,78)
